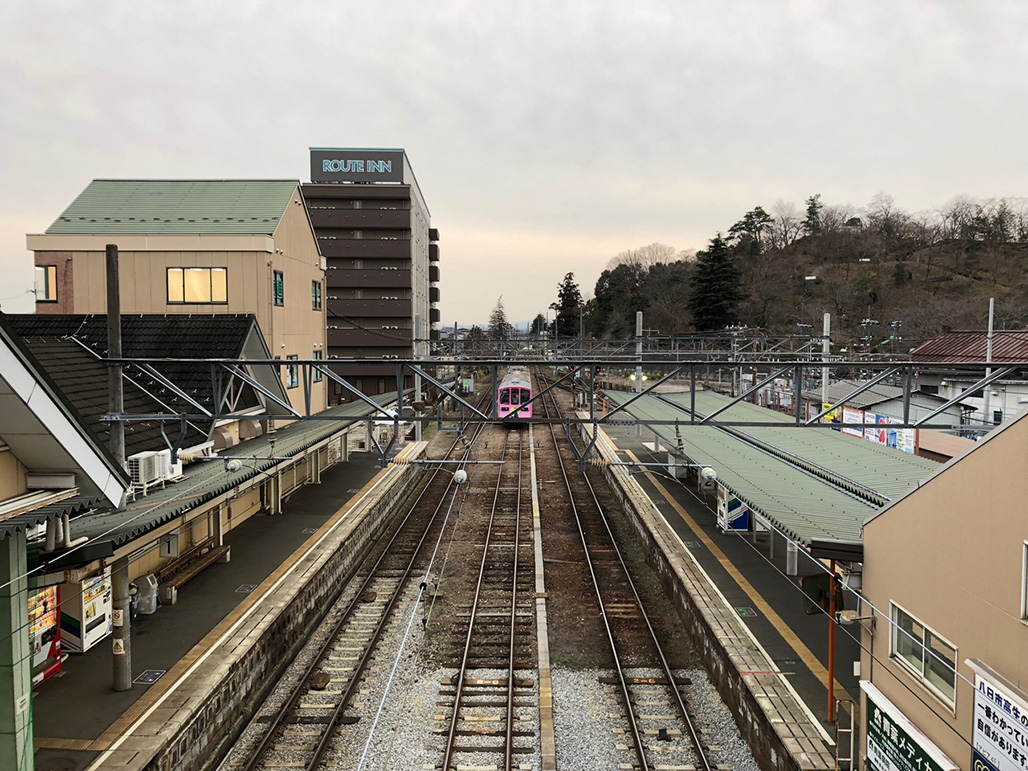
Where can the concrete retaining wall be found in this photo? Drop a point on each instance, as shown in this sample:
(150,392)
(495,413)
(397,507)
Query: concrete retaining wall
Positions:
(777,728)
(224,679)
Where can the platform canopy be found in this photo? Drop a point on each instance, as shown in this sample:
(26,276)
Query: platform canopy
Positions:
(810,483)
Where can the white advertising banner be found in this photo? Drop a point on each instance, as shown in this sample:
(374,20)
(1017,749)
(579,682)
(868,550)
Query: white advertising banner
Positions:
(1000,727)
(849,417)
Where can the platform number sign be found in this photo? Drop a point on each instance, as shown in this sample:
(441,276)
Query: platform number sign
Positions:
(891,747)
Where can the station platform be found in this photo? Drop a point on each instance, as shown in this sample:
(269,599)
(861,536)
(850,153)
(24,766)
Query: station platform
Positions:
(77,715)
(755,584)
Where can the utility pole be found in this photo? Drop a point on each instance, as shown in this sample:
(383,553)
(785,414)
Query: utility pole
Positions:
(987,406)
(825,349)
(638,356)
(121,640)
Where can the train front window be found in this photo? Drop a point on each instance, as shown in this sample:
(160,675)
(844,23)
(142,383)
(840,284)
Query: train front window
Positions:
(526,395)
(505,396)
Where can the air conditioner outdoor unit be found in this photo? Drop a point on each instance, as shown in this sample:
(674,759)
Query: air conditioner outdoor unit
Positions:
(163,464)
(144,468)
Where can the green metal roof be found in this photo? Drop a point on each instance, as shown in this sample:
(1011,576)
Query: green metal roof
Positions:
(798,497)
(178,206)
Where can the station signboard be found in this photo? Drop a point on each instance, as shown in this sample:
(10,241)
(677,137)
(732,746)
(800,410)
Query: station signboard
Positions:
(894,743)
(1000,726)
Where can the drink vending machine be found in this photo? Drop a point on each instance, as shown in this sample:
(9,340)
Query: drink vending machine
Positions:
(86,611)
(44,634)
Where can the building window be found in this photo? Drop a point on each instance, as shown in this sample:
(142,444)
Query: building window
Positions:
(318,374)
(316,295)
(46,283)
(208,286)
(292,373)
(930,658)
(278,288)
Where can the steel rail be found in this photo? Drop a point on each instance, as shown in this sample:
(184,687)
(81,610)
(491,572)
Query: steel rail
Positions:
(693,734)
(640,750)
(256,756)
(462,670)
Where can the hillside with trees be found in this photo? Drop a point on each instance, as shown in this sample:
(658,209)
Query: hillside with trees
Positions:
(914,275)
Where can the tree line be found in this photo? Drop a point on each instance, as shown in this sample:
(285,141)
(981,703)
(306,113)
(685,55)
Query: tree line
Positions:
(877,269)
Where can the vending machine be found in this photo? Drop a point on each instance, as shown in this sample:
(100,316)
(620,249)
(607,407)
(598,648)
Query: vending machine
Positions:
(44,634)
(86,612)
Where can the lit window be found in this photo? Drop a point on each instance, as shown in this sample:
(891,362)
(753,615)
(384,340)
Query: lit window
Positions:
(318,374)
(292,373)
(208,286)
(46,284)
(930,658)
(278,287)
(316,295)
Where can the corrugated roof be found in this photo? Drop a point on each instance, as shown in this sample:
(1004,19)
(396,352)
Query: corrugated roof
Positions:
(798,500)
(204,481)
(1007,346)
(182,206)
(877,394)
(843,388)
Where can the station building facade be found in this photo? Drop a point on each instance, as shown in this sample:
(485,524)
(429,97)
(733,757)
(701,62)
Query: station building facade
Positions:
(194,247)
(945,661)
(382,262)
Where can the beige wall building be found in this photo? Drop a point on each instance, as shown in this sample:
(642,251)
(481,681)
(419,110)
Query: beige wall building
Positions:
(197,247)
(946,567)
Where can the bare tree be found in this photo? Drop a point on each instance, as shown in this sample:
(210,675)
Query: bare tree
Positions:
(646,256)
(787,225)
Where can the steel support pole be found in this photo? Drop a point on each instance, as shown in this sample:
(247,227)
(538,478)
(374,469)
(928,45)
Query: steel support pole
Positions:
(831,647)
(116,401)
(122,642)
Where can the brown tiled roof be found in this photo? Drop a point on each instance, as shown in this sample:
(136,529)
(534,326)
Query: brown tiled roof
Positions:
(1007,346)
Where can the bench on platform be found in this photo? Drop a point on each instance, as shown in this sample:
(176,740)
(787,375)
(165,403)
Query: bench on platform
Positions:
(187,566)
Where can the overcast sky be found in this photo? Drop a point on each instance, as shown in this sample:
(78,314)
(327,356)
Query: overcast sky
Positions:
(546,137)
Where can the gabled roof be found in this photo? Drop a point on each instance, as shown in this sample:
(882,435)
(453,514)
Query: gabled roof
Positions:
(877,394)
(1007,346)
(180,206)
(44,431)
(72,347)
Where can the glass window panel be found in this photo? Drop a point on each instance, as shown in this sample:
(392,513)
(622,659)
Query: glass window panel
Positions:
(198,285)
(526,395)
(505,396)
(175,285)
(942,662)
(219,285)
(909,636)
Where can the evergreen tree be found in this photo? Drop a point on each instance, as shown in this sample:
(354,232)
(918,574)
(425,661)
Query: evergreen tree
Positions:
(568,307)
(538,325)
(812,224)
(499,327)
(716,288)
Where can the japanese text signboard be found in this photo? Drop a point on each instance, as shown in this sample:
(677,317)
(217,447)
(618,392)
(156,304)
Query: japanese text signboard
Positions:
(1000,728)
(894,743)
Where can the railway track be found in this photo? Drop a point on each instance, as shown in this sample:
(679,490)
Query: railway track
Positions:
(658,722)
(304,727)
(492,706)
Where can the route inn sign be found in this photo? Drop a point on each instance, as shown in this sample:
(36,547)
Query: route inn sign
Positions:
(896,744)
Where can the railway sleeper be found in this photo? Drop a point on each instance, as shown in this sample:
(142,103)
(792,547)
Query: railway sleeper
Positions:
(491,682)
